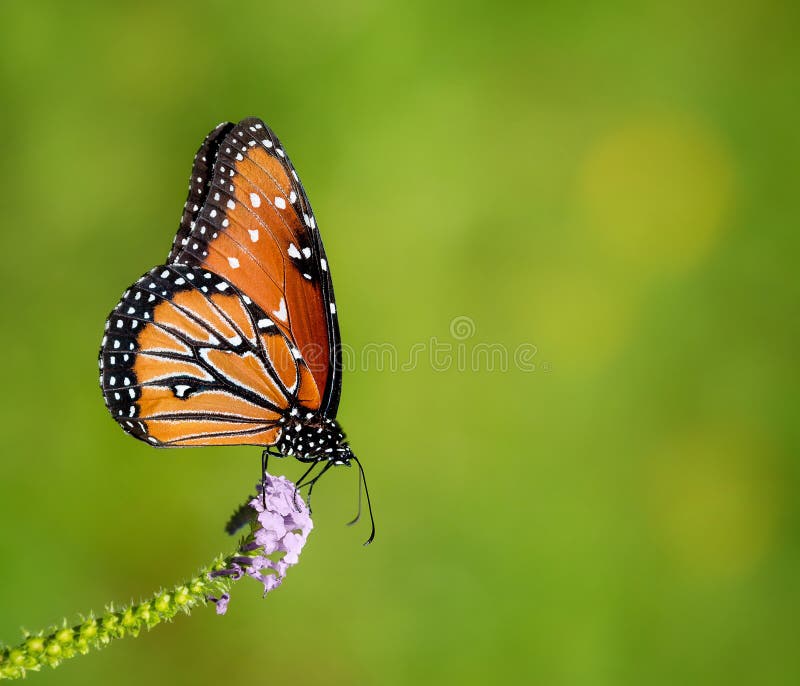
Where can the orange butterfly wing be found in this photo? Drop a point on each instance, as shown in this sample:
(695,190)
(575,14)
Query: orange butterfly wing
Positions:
(256,229)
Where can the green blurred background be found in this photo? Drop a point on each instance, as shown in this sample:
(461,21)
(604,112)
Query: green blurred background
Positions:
(615,184)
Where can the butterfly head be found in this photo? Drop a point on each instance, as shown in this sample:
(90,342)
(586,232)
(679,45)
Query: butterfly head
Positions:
(311,437)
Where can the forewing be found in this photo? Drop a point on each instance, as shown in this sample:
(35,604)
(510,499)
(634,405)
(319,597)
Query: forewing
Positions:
(256,229)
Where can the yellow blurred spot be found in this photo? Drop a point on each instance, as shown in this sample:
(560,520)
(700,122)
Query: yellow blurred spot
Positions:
(657,191)
(713,501)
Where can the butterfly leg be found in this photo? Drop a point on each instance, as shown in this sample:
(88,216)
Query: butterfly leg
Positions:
(264,461)
(299,484)
(311,483)
(265,455)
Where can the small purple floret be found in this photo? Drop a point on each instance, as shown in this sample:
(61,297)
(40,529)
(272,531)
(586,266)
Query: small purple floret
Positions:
(222,603)
(282,530)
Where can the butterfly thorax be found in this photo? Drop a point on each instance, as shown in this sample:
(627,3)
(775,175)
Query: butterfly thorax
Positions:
(310,436)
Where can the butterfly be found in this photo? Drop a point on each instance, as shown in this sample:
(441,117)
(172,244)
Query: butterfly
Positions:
(235,339)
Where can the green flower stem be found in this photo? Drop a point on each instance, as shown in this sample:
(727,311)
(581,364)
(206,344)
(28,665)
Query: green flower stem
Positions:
(61,643)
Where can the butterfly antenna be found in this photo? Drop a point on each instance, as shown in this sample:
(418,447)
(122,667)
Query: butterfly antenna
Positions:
(264,460)
(358,513)
(300,483)
(369,504)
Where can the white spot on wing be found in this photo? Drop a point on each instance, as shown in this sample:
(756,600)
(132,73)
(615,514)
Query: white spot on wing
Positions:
(253,235)
(281,313)
(280,203)
(293,251)
(255,201)
(233,262)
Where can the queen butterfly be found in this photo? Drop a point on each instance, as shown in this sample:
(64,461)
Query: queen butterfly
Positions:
(235,340)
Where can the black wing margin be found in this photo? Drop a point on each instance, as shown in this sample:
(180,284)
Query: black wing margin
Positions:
(199,185)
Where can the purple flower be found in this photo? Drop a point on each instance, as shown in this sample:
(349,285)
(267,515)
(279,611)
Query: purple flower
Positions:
(222,603)
(279,533)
